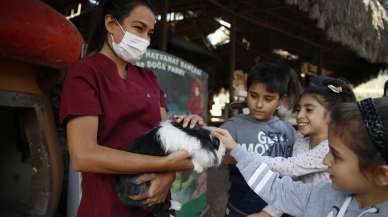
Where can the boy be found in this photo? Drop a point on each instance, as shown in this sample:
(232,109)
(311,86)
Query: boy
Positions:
(259,132)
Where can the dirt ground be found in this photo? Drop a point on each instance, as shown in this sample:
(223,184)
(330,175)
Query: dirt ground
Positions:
(217,187)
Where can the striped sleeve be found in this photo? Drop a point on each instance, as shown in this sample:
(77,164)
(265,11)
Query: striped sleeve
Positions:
(282,193)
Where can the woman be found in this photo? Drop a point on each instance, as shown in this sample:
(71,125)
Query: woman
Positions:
(106,103)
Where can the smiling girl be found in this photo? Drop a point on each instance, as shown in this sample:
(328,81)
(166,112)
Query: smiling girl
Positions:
(313,114)
(357,164)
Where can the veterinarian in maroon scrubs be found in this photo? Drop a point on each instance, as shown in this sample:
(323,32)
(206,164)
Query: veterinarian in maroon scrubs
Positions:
(107,102)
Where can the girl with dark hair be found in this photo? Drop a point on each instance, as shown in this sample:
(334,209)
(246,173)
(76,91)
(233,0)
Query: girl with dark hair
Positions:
(106,103)
(357,164)
(286,111)
(313,115)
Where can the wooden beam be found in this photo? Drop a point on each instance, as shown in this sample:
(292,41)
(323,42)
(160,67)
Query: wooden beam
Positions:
(263,24)
(186,5)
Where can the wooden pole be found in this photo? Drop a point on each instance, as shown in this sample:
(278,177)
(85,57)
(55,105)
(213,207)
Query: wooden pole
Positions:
(232,57)
(164,27)
(320,56)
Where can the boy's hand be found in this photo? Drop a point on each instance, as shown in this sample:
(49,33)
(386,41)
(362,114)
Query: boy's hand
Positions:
(191,120)
(225,138)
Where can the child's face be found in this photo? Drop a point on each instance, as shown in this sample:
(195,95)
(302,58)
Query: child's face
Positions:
(262,103)
(343,167)
(312,118)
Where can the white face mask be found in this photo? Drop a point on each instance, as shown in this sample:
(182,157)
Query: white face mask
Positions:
(131,48)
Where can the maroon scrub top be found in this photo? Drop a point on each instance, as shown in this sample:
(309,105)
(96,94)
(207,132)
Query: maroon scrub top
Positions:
(126,109)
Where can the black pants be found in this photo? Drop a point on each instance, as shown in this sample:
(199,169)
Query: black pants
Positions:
(234,212)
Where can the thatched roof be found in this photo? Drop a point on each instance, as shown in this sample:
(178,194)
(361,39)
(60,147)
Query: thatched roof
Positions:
(346,37)
(361,25)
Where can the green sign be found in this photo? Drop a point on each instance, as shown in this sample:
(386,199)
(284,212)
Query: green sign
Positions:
(185,86)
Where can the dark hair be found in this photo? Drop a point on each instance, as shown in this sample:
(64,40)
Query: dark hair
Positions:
(347,123)
(294,88)
(278,78)
(386,89)
(330,91)
(119,9)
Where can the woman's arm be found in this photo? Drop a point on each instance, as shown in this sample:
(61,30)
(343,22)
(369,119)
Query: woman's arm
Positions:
(163,114)
(89,156)
(160,183)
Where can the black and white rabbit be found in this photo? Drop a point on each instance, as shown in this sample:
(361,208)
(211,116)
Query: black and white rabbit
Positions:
(205,150)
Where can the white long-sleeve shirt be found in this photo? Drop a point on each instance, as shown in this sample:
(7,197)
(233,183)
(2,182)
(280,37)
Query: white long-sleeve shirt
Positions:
(305,164)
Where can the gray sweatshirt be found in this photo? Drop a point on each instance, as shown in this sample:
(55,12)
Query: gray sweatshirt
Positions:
(271,138)
(297,198)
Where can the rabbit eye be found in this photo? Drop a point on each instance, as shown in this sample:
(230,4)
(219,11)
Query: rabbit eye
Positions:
(215,142)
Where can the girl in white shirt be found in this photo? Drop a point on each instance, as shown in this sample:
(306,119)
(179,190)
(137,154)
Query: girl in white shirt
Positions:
(306,163)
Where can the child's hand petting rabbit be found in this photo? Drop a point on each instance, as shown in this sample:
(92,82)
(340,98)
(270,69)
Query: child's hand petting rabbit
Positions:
(225,137)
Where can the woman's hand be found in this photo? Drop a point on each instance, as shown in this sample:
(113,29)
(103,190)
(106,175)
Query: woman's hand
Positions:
(190,120)
(178,161)
(160,185)
(225,138)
